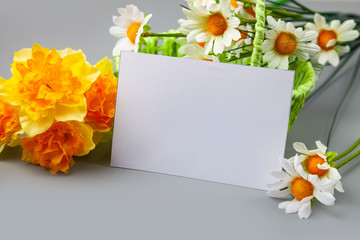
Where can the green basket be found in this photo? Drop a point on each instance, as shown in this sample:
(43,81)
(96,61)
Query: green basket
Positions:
(304,75)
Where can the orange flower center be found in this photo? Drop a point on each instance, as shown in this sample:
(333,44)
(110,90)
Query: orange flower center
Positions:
(324,37)
(234,4)
(250,11)
(301,188)
(201,44)
(311,165)
(216,24)
(285,43)
(132,31)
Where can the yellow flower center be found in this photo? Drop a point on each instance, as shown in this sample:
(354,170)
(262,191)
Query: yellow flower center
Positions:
(324,37)
(234,4)
(216,24)
(311,165)
(285,43)
(132,31)
(301,188)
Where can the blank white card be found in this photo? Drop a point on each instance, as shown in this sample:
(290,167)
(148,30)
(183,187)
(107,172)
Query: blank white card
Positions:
(212,121)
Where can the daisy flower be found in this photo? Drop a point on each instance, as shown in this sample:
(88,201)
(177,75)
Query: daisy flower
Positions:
(215,26)
(304,187)
(285,43)
(315,162)
(329,38)
(129,27)
(238,7)
(195,51)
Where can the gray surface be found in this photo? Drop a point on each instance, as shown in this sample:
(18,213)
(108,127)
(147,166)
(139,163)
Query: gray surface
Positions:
(96,201)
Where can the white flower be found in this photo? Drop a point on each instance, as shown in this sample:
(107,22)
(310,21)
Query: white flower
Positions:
(285,42)
(238,7)
(329,38)
(215,26)
(246,34)
(304,187)
(315,162)
(130,26)
(195,51)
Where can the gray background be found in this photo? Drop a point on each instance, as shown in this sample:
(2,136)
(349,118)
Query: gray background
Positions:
(96,201)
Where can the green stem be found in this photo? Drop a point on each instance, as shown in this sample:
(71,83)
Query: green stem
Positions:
(248,2)
(347,151)
(148,34)
(244,55)
(352,81)
(347,160)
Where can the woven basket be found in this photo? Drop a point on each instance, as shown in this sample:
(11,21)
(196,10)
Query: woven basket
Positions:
(304,75)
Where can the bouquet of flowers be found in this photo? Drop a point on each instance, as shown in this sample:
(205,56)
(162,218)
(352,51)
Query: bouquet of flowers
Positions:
(57,105)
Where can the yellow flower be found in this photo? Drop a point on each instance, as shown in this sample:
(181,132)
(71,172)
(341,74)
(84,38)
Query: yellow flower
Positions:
(49,85)
(54,148)
(9,120)
(100,98)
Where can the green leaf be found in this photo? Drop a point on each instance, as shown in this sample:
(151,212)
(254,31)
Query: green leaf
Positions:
(146,28)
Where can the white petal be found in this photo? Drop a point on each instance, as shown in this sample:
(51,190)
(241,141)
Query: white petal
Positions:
(305,211)
(331,43)
(334,24)
(348,36)
(339,186)
(325,185)
(267,45)
(310,48)
(323,166)
(300,148)
(302,56)
(191,37)
(310,26)
(334,174)
(209,45)
(319,20)
(299,168)
(342,49)
(278,185)
(286,164)
(218,45)
(202,37)
(233,22)
(293,207)
(348,25)
(325,197)
(272,22)
(283,205)
(312,178)
(284,63)
(278,194)
(117,32)
(333,58)
(321,146)
(323,57)
(309,36)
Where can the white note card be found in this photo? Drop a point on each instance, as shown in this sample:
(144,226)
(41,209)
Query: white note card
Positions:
(213,121)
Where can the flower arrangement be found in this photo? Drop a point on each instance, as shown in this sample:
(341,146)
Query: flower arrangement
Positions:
(56,105)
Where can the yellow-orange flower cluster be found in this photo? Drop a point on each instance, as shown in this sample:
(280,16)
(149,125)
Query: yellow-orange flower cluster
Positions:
(9,120)
(54,148)
(56,105)
(100,98)
(49,85)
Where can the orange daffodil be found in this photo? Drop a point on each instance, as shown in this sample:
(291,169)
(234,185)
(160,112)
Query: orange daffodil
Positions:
(285,43)
(100,98)
(129,27)
(47,86)
(214,25)
(331,37)
(55,147)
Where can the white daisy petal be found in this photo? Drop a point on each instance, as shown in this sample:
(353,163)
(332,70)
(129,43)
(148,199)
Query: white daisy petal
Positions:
(286,164)
(310,36)
(321,147)
(117,32)
(305,211)
(334,174)
(325,198)
(218,45)
(333,58)
(323,166)
(293,207)
(299,168)
(348,25)
(323,58)
(339,186)
(342,49)
(300,148)
(283,205)
(348,36)
(302,56)
(278,185)
(278,194)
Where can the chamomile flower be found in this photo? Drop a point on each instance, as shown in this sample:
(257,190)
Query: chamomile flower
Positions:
(238,8)
(215,26)
(304,187)
(129,27)
(329,38)
(315,162)
(195,51)
(285,43)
